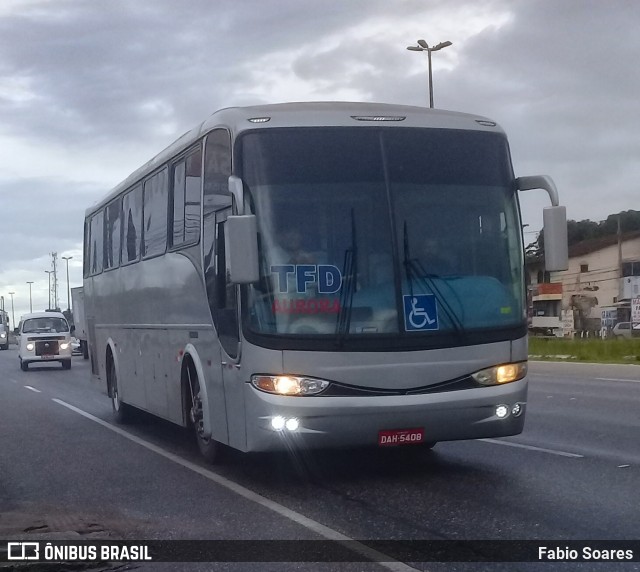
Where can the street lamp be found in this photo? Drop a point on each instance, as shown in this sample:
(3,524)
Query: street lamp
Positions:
(49,272)
(424,47)
(13,316)
(30,302)
(67,258)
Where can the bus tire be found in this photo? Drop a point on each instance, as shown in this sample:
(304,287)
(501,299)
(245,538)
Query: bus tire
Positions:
(208,447)
(24,366)
(121,411)
(66,364)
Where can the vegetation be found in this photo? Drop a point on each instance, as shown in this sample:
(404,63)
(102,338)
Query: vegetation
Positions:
(586,350)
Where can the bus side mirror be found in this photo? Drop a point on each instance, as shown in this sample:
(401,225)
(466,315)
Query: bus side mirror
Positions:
(241,249)
(556,251)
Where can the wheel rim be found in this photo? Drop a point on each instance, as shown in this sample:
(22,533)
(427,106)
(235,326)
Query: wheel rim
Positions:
(196,413)
(115,398)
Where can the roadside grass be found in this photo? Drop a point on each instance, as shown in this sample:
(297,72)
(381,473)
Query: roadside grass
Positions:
(587,350)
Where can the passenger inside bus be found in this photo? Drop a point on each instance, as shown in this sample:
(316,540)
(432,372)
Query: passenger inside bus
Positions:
(435,260)
(290,249)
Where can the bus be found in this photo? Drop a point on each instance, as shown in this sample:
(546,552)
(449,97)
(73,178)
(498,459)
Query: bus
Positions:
(317,275)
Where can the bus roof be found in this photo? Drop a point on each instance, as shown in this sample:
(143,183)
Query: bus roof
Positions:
(307,114)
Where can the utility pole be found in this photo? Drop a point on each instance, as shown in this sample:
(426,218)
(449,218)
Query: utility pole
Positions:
(49,272)
(13,316)
(30,299)
(66,259)
(54,265)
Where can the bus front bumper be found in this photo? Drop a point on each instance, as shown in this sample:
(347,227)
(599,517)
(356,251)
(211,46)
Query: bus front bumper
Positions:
(319,422)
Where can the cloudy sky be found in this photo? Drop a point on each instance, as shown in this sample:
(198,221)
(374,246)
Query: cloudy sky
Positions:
(91,90)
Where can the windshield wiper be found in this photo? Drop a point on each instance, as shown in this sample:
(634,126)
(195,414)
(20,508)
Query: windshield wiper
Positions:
(415,270)
(349,273)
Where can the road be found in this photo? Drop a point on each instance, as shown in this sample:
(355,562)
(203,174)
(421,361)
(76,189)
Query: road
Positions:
(573,474)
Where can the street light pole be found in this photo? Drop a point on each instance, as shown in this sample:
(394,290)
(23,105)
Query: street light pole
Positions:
(424,47)
(30,300)
(66,259)
(13,316)
(49,272)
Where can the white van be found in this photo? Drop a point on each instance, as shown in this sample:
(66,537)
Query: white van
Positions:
(44,337)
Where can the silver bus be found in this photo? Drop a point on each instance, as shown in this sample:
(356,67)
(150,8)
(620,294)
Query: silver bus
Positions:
(311,275)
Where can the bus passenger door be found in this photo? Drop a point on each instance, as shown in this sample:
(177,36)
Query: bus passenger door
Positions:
(223,298)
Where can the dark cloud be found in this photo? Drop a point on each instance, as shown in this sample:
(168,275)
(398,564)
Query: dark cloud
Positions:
(108,84)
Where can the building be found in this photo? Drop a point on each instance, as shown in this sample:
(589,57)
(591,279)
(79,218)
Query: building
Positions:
(603,276)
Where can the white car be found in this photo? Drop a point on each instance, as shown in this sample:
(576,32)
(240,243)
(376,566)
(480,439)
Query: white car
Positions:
(624,330)
(44,337)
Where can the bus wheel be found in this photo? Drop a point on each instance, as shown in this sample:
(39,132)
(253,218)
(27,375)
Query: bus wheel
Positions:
(121,411)
(209,448)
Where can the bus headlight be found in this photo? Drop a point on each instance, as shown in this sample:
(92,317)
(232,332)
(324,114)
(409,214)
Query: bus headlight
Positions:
(499,374)
(64,346)
(30,347)
(289,384)
(3,335)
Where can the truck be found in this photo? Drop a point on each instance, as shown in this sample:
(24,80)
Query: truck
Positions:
(77,303)
(4,330)
(546,310)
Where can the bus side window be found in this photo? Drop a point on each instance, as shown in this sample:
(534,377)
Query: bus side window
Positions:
(112,233)
(95,249)
(155,198)
(185,200)
(131,225)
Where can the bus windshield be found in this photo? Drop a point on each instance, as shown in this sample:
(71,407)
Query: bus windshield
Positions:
(364,232)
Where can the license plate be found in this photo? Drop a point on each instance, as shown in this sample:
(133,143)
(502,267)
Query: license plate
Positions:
(396,437)
(47,356)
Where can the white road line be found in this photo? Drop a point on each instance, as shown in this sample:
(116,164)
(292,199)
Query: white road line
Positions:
(564,377)
(248,494)
(532,448)
(32,389)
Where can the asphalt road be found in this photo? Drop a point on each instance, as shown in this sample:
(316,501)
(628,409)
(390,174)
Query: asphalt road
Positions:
(574,474)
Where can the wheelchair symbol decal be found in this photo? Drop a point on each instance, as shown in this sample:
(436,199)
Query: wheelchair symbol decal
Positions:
(420,313)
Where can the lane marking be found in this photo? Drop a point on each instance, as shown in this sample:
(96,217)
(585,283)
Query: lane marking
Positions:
(565,377)
(532,448)
(32,389)
(310,524)
(617,379)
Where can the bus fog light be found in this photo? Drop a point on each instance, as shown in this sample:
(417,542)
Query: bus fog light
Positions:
(516,410)
(292,424)
(278,423)
(502,411)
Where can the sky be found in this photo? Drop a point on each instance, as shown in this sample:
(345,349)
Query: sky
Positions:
(89,91)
